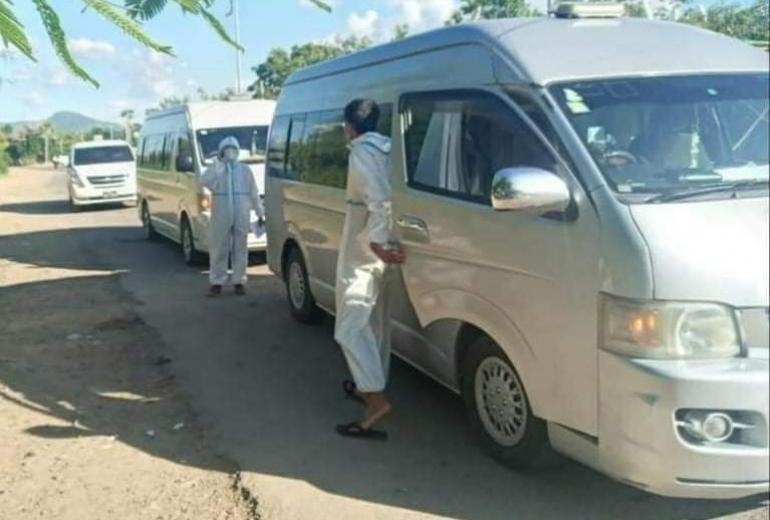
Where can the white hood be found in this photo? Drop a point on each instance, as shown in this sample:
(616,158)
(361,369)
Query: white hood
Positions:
(709,251)
(378,141)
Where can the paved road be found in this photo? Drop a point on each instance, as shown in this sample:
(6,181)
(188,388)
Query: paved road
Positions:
(267,391)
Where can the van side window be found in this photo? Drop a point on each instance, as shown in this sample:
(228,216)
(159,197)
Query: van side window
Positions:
(166,151)
(152,151)
(276,154)
(296,151)
(455,142)
(327,160)
(385,126)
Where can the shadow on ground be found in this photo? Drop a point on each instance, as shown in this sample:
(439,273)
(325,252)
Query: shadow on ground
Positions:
(53,207)
(279,398)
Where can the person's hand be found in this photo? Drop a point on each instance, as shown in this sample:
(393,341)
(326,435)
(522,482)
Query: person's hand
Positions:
(390,255)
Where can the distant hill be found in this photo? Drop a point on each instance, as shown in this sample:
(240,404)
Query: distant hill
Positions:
(65,122)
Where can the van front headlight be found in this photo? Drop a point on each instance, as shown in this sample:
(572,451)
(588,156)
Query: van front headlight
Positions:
(668,330)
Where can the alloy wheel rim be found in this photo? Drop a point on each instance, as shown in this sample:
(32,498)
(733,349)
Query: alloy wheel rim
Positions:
(500,401)
(296,285)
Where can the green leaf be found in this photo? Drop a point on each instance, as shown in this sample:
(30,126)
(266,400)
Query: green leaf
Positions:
(126,24)
(59,40)
(215,24)
(12,31)
(323,5)
(145,9)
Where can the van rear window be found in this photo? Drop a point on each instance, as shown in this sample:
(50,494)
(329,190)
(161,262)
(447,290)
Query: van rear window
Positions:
(103,155)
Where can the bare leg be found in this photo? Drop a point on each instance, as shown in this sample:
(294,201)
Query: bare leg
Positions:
(377,407)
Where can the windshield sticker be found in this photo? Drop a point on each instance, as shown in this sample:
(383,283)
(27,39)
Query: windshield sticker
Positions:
(575,102)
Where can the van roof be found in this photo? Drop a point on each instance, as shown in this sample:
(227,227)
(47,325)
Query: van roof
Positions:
(223,114)
(544,50)
(99,144)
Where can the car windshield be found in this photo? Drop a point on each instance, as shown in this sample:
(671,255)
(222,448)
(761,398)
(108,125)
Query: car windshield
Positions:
(253,141)
(669,135)
(103,155)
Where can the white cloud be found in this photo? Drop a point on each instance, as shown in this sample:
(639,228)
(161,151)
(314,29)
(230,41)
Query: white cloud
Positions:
(86,48)
(35,99)
(364,25)
(57,77)
(421,15)
(153,75)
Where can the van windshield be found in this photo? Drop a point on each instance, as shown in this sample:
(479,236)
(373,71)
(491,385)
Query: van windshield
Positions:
(102,155)
(253,141)
(673,135)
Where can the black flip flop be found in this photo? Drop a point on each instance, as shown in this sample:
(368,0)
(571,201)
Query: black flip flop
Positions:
(355,431)
(349,387)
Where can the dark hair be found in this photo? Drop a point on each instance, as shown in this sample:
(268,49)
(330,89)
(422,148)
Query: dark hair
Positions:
(363,115)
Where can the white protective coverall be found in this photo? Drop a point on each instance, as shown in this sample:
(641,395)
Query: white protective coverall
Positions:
(234,194)
(362,327)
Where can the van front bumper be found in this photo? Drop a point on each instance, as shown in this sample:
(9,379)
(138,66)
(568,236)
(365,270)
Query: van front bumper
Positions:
(86,196)
(642,443)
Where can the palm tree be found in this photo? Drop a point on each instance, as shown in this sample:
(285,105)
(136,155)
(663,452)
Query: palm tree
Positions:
(127,17)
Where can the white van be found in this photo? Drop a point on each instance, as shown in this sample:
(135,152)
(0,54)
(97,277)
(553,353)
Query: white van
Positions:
(101,172)
(175,148)
(584,208)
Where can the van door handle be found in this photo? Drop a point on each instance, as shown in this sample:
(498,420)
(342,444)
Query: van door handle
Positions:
(414,225)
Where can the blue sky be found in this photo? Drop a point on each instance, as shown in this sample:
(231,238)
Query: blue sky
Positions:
(133,77)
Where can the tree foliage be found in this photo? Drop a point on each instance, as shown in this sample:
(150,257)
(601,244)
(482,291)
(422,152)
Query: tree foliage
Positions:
(489,9)
(743,22)
(128,17)
(280,63)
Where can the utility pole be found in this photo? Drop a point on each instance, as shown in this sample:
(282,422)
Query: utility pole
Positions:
(236,17)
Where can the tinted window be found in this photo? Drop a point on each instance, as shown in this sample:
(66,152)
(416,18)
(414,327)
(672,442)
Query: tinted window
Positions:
(103,155)
(327,162)
(385,125)
(252,139)
(276,155)
(152,152)
(456,142)
(297,151)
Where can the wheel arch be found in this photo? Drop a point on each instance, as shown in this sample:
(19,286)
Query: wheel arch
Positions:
(479,317)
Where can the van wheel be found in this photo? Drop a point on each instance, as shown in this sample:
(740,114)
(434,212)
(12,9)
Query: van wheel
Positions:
(301,301)
(498,408)
(192,256)
(147,227)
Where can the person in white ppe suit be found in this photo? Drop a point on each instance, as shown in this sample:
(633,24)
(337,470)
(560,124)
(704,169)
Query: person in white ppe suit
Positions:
(363,323)
(234,194)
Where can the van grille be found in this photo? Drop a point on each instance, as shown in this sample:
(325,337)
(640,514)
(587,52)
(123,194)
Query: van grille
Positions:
(107,180)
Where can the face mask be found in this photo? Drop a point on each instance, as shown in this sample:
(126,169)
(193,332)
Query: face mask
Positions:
(231,155)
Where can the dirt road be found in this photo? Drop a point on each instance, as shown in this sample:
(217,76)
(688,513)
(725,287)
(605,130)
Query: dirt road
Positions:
(126,394)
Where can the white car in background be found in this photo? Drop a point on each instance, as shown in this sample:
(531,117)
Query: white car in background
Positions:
(101,172)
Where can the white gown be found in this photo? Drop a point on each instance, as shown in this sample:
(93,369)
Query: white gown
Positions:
(234,194)
(362,327)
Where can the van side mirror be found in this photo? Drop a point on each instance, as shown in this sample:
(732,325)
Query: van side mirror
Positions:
(531,189)
(185,163)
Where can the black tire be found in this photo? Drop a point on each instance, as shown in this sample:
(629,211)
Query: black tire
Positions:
(301,301)
(147,227)
(192,256)
(521,439)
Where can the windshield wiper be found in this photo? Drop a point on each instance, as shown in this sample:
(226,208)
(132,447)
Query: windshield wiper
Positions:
(707,189)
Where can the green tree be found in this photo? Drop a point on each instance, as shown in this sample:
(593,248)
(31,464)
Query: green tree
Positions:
(5,160)
(743,22)
(280,63)
(128,17)
(490,9)
(400,31)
